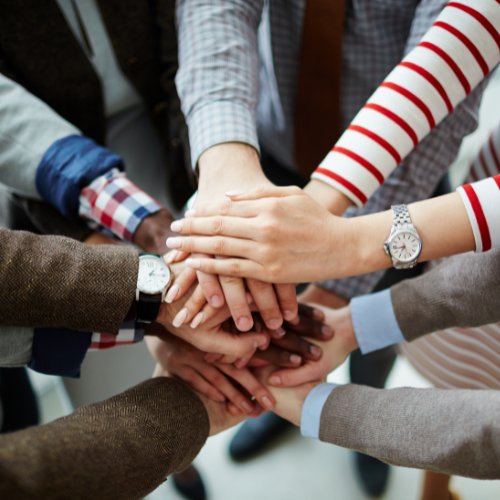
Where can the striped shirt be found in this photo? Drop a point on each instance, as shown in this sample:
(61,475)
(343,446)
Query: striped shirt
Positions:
(238,75)
(455,55)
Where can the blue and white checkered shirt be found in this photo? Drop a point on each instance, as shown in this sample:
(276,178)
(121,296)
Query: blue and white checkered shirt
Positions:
(237,81)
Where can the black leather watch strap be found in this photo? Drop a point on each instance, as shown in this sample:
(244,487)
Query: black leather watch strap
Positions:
(148,307)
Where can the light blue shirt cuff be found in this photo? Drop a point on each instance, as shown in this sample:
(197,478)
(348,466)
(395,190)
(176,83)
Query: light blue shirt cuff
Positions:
(374,322)
(311,411)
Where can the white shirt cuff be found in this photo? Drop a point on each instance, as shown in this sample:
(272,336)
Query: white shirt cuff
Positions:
(375,324)
(311,411)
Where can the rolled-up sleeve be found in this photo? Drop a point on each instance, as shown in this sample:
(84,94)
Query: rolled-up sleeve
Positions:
(218,76)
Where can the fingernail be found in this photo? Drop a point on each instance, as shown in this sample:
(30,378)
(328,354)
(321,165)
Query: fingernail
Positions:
(244,324)
(169,258)
(318,314)
(197,319)
(247,407)
(280,332)
(315,350)
(274,324)
(172,294)
(275,380)
(266,402)
(295,359)
(232,194)
(326,330)
(174,242)
(288,315)
(216,301)
(220,397)
(192,263)
(176,226)
(180,318)
(190,213)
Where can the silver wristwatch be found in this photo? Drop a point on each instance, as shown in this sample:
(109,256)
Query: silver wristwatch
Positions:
(404,244)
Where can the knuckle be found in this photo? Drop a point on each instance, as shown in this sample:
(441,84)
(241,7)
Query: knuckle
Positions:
(216,225)
(218,246)
(235,268)
(226,207)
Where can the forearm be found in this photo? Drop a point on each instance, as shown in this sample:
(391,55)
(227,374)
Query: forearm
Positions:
(152,430)
(364,419)
(49,281)
(442,223)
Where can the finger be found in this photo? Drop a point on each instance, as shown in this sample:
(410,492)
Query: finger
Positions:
(197,382)
(265,192)
(182,284)
(214,245)
(294,343)
(238,346)
(242,362)
(227,208)
(206,314)
(266,301)
(251,384)
(238,268)
(194,304)
(175,256)
(217,225)
(217,378)
(310,328)
(211,357)
(280,357)
(287,298)
(236,299)
(210,285)
(233,409)
(311,312)
(287,377)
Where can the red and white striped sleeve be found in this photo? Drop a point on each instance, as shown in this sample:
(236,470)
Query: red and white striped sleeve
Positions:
(482,197)
(458,51)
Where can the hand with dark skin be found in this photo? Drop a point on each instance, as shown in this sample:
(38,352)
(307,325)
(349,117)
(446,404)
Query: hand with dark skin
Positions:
(153,231)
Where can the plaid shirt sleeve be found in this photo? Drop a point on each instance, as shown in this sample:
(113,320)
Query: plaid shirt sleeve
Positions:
(130,332)
(218,76)
(116,203)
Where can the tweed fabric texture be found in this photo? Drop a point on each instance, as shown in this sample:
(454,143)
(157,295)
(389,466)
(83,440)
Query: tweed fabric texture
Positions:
(122,448)
(51,281)
(460,292)
(450,431)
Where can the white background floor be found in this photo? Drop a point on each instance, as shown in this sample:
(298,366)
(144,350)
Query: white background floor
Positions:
(298,468)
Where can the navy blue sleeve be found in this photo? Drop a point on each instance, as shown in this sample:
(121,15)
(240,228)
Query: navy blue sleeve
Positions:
(59,351)
(69,165)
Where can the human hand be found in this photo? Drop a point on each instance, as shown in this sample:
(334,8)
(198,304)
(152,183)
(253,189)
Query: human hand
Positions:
(278,235)
(335,351)
(217,382)
(153,231)
(229,167)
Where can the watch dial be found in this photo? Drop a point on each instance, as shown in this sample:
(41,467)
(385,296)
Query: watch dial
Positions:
(405,247)
(154,275)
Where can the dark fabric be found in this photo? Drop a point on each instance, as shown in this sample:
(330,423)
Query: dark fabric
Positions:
(317,107)
(50,281)
(19,405)
(39,217)
(48,61)
(69,165)
(122,448)
(59,351)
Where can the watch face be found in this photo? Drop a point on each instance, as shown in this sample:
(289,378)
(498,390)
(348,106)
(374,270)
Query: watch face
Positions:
(154,275)
(405,247)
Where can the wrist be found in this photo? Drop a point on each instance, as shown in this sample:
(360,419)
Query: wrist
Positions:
(328,197)
(228,166)
(151,234)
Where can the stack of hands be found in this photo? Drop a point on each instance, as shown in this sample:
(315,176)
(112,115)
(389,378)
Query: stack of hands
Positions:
(285,346)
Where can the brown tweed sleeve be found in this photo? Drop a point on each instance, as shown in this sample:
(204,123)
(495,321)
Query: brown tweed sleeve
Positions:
(459,292)
(122,448)
(455,432)
(52,281)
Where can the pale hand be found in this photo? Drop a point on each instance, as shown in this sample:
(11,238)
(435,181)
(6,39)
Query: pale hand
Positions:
(278,235)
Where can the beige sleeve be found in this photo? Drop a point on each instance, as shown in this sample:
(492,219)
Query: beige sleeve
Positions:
(454,432)
(461,292)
